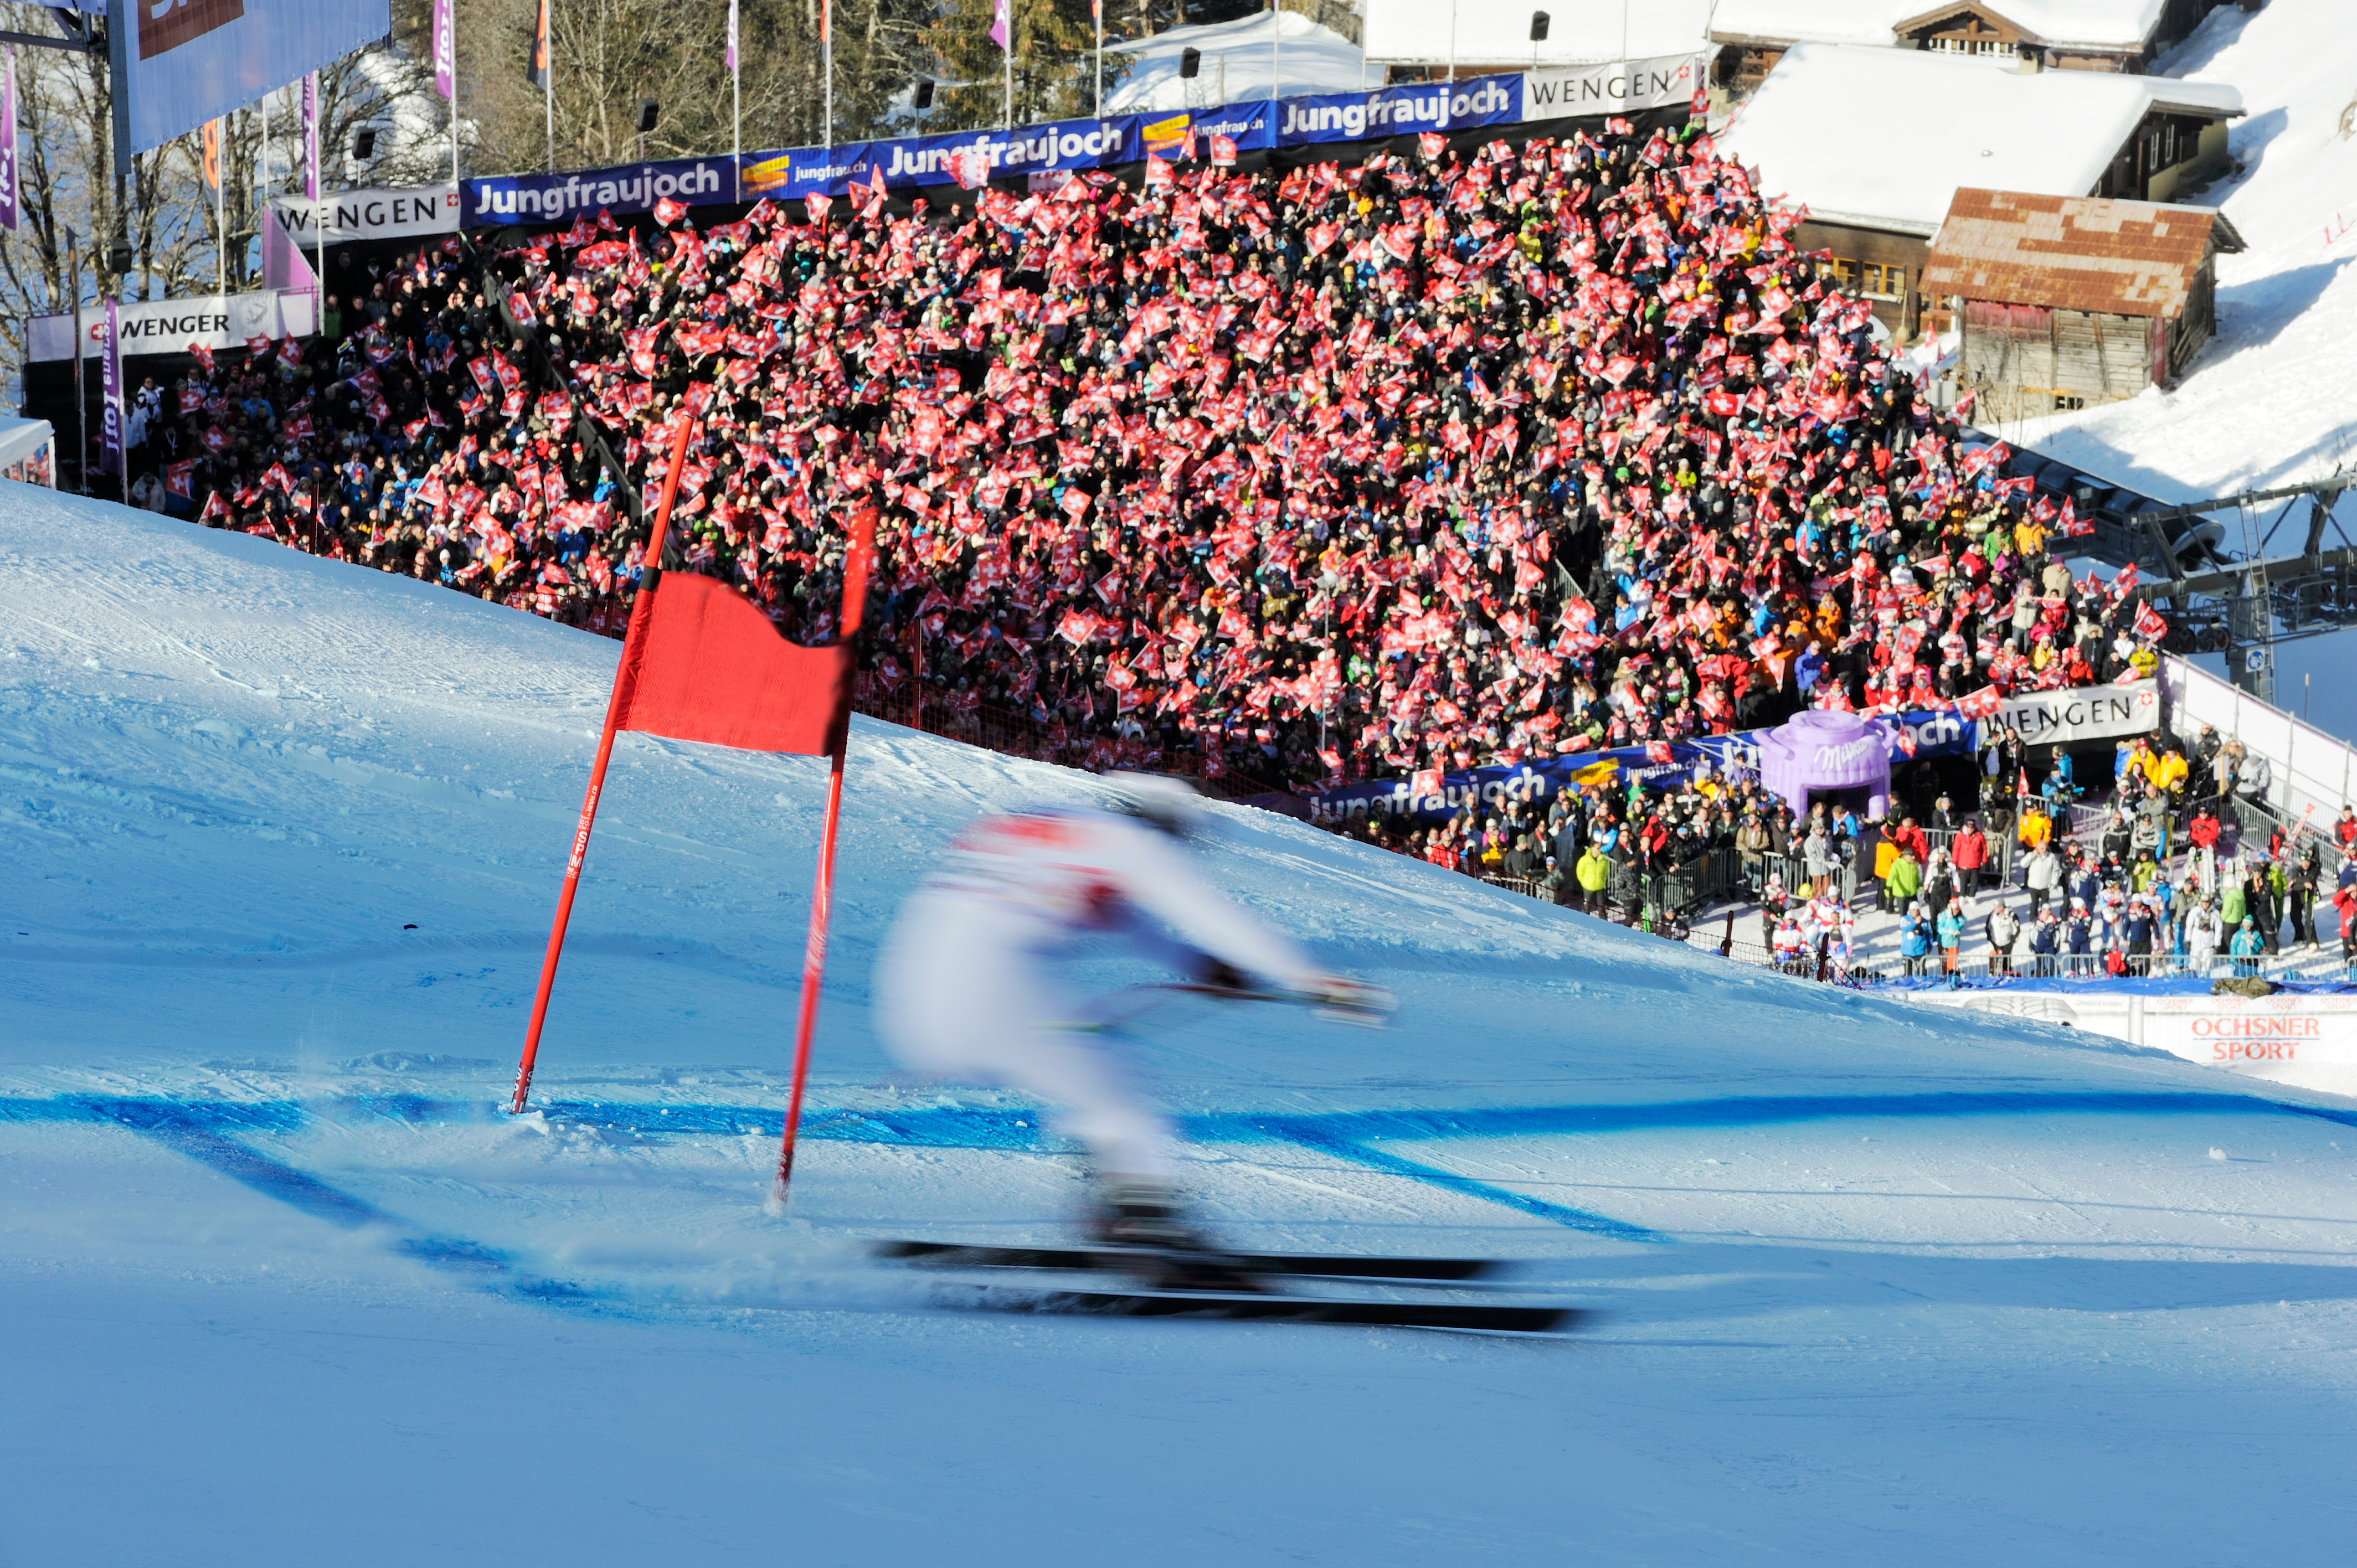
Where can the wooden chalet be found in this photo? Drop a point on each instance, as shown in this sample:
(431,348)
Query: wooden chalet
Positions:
(2070,301)
(1940,124)
(1749,36)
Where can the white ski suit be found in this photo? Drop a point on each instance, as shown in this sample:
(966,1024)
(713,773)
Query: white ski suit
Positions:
(966,985)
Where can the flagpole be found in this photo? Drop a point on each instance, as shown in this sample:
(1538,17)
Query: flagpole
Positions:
(616,704)
(548,75)
(1097,8)
(855,603)
(1276,54)
(318,206)
(450,21)
(826,66)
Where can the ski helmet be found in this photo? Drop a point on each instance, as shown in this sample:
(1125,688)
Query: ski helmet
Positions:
(1160,801)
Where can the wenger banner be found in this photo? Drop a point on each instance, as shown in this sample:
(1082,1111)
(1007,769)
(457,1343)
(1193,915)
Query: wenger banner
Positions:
(2084,713)
(372,214)
(171,326)
(182,62)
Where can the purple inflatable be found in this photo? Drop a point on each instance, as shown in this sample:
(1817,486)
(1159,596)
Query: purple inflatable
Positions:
(1820,750)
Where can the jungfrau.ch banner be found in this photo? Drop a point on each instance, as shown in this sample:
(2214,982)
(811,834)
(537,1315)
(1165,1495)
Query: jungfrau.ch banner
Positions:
(554,197)
(1076,145)
(184,61)
(110,394)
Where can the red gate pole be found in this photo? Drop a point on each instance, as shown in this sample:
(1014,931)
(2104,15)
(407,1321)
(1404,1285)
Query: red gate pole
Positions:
(855,608)
(616,704)
(814,973)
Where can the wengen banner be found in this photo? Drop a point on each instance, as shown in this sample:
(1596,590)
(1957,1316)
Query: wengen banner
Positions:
(1074,145)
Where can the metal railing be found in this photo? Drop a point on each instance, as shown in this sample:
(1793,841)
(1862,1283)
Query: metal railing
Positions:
(910,703)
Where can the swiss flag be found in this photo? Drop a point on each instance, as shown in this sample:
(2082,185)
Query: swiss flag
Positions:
(1223,152)
(668,211)
(2149,623)
(1657,751)
(1980,704)
(1431,144)
(1425,781)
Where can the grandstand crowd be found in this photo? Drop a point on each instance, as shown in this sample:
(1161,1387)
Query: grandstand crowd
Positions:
(1433,461)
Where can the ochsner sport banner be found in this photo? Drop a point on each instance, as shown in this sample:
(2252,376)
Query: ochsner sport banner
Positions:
(110,393)
(9,141)
(184,61)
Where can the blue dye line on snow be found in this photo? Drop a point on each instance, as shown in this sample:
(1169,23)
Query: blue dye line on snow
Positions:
(204,1128)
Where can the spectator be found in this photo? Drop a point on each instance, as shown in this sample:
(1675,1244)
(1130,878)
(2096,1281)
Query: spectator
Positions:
(1951,928)
(1970,852)
(2246,948)
(2004,930)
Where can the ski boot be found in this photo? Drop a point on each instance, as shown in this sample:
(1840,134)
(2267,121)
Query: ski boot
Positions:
(1142,1220)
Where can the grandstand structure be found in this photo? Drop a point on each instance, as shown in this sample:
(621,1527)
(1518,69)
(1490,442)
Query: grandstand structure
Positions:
(1504,442)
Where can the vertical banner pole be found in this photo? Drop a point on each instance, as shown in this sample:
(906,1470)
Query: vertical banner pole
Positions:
(616,704)
(855,604)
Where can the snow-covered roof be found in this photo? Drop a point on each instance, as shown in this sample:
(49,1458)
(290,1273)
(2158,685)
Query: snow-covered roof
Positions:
(21,437)
(2092,24)
(1498,32)
(1885,137)
(2100,23)
(1811,21)
(1313,60)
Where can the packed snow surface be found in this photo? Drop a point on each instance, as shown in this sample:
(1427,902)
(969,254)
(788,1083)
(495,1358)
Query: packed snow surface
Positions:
(280,1283)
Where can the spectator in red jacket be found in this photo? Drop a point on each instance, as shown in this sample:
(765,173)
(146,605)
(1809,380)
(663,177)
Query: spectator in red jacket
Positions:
(1970,852)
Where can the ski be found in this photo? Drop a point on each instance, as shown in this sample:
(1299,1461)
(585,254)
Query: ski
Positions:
(1245,1308)
(960,1255)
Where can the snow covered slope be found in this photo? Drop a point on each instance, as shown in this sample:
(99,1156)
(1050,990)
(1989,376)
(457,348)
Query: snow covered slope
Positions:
(2273,399)
(280,1285)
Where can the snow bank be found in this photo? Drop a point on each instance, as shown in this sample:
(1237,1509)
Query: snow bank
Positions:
(280,1285)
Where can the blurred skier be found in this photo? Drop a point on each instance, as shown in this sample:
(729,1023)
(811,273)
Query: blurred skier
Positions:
(966,984)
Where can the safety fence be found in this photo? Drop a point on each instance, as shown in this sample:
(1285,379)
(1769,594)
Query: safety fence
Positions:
(965,718)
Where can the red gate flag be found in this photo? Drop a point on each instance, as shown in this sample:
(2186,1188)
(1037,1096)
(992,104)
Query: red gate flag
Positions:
(701,663)
(714,669)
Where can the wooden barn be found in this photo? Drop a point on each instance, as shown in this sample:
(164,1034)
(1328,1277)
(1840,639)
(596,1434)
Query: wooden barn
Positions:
(2068,301)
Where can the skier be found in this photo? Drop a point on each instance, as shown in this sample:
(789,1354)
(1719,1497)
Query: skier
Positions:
(967,983)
